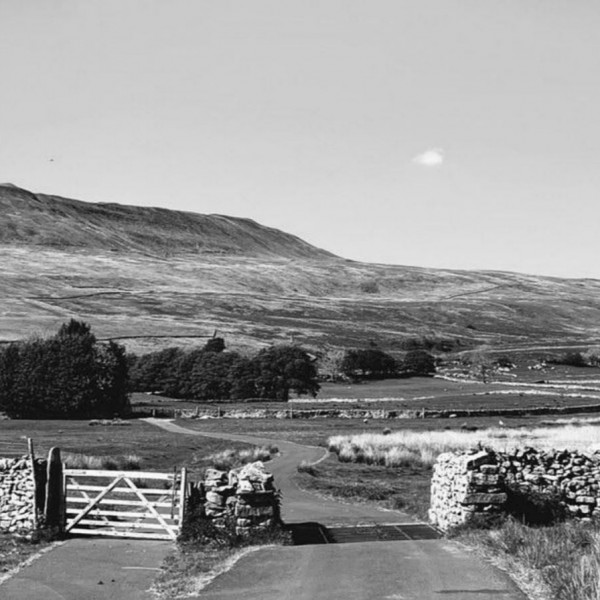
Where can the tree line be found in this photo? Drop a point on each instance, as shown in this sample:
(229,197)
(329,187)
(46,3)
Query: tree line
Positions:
(213,373)
(72,375)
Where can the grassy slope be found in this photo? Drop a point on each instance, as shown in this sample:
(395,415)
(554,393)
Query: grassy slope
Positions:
(138,271)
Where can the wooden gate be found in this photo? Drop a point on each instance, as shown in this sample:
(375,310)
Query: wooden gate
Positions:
(131,504)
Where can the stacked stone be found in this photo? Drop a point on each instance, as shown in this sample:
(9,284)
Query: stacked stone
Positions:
(574,475)
(256,502)
(464,485)
(17,495)
(219,499)
(247,495)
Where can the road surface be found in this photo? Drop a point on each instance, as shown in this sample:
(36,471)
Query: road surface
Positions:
(402,570)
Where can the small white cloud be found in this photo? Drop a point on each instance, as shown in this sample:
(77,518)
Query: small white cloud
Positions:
(434,157)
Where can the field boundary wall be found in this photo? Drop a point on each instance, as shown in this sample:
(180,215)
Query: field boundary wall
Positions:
(484,483)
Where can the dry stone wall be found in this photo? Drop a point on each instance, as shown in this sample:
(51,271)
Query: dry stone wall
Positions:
(17,495)
(464,484)
(245,496)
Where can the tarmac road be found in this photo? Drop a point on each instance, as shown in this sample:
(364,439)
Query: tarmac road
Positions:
(400,570)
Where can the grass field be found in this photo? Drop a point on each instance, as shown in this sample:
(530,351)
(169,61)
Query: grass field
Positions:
(158,450)
(571,387)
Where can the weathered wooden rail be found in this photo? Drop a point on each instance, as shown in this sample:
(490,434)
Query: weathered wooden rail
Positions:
(120,503)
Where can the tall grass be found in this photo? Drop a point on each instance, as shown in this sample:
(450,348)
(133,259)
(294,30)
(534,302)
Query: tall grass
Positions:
(230,458)
(126,462)
(566,556)
(404,448)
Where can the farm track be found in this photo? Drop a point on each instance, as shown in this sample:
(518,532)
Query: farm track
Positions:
(415,569)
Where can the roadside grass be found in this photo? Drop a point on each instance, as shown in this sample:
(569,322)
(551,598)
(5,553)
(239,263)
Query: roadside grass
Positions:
(183,573)
(404,488)
(405,448)
(15,550)
(232,458)
(202,553)
(564,557)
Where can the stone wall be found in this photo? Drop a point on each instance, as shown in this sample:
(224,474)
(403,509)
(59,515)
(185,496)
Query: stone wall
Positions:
(245,497)
(17,495)
(464,484)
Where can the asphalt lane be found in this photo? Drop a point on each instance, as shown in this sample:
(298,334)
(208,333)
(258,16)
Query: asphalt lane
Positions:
(403,570)
(90,569)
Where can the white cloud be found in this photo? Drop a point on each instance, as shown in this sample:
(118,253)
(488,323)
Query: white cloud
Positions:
(434,157)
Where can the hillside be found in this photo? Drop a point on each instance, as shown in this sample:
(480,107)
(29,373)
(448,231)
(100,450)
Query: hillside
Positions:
(110,265)
(41,220)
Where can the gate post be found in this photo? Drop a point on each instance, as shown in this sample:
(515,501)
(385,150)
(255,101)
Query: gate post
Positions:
(182,496)
(54,505)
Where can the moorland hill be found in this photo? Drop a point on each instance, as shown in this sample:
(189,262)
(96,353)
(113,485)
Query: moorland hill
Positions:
(42,220)
(159,277)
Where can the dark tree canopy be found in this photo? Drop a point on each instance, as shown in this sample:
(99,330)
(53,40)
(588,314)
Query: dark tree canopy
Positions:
(216,344)
(371,363)
(281,369)
(208,374)
(418,362)
(68,375)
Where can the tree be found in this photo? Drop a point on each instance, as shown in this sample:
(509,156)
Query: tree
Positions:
(156,371)
(418,363)
(69,375)
(281,369)
(371,363)
(216,344)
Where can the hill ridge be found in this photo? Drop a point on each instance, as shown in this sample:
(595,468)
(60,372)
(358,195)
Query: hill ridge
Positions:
(54,221)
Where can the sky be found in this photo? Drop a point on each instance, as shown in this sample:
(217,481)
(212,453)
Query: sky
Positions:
(460,134)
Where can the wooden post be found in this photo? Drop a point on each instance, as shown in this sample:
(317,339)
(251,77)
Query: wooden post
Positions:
(53,508)
(182,498)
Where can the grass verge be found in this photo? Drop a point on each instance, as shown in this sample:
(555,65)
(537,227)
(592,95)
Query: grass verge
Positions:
(559,562)
(14,551)
(197,560)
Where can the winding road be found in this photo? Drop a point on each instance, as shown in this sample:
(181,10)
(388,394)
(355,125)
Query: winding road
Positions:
(410,569)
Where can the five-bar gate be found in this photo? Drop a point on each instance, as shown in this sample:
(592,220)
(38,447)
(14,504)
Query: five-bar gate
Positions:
(131,504)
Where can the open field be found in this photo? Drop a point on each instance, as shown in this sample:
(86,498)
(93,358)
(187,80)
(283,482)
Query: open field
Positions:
(158,450)
(419,393)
